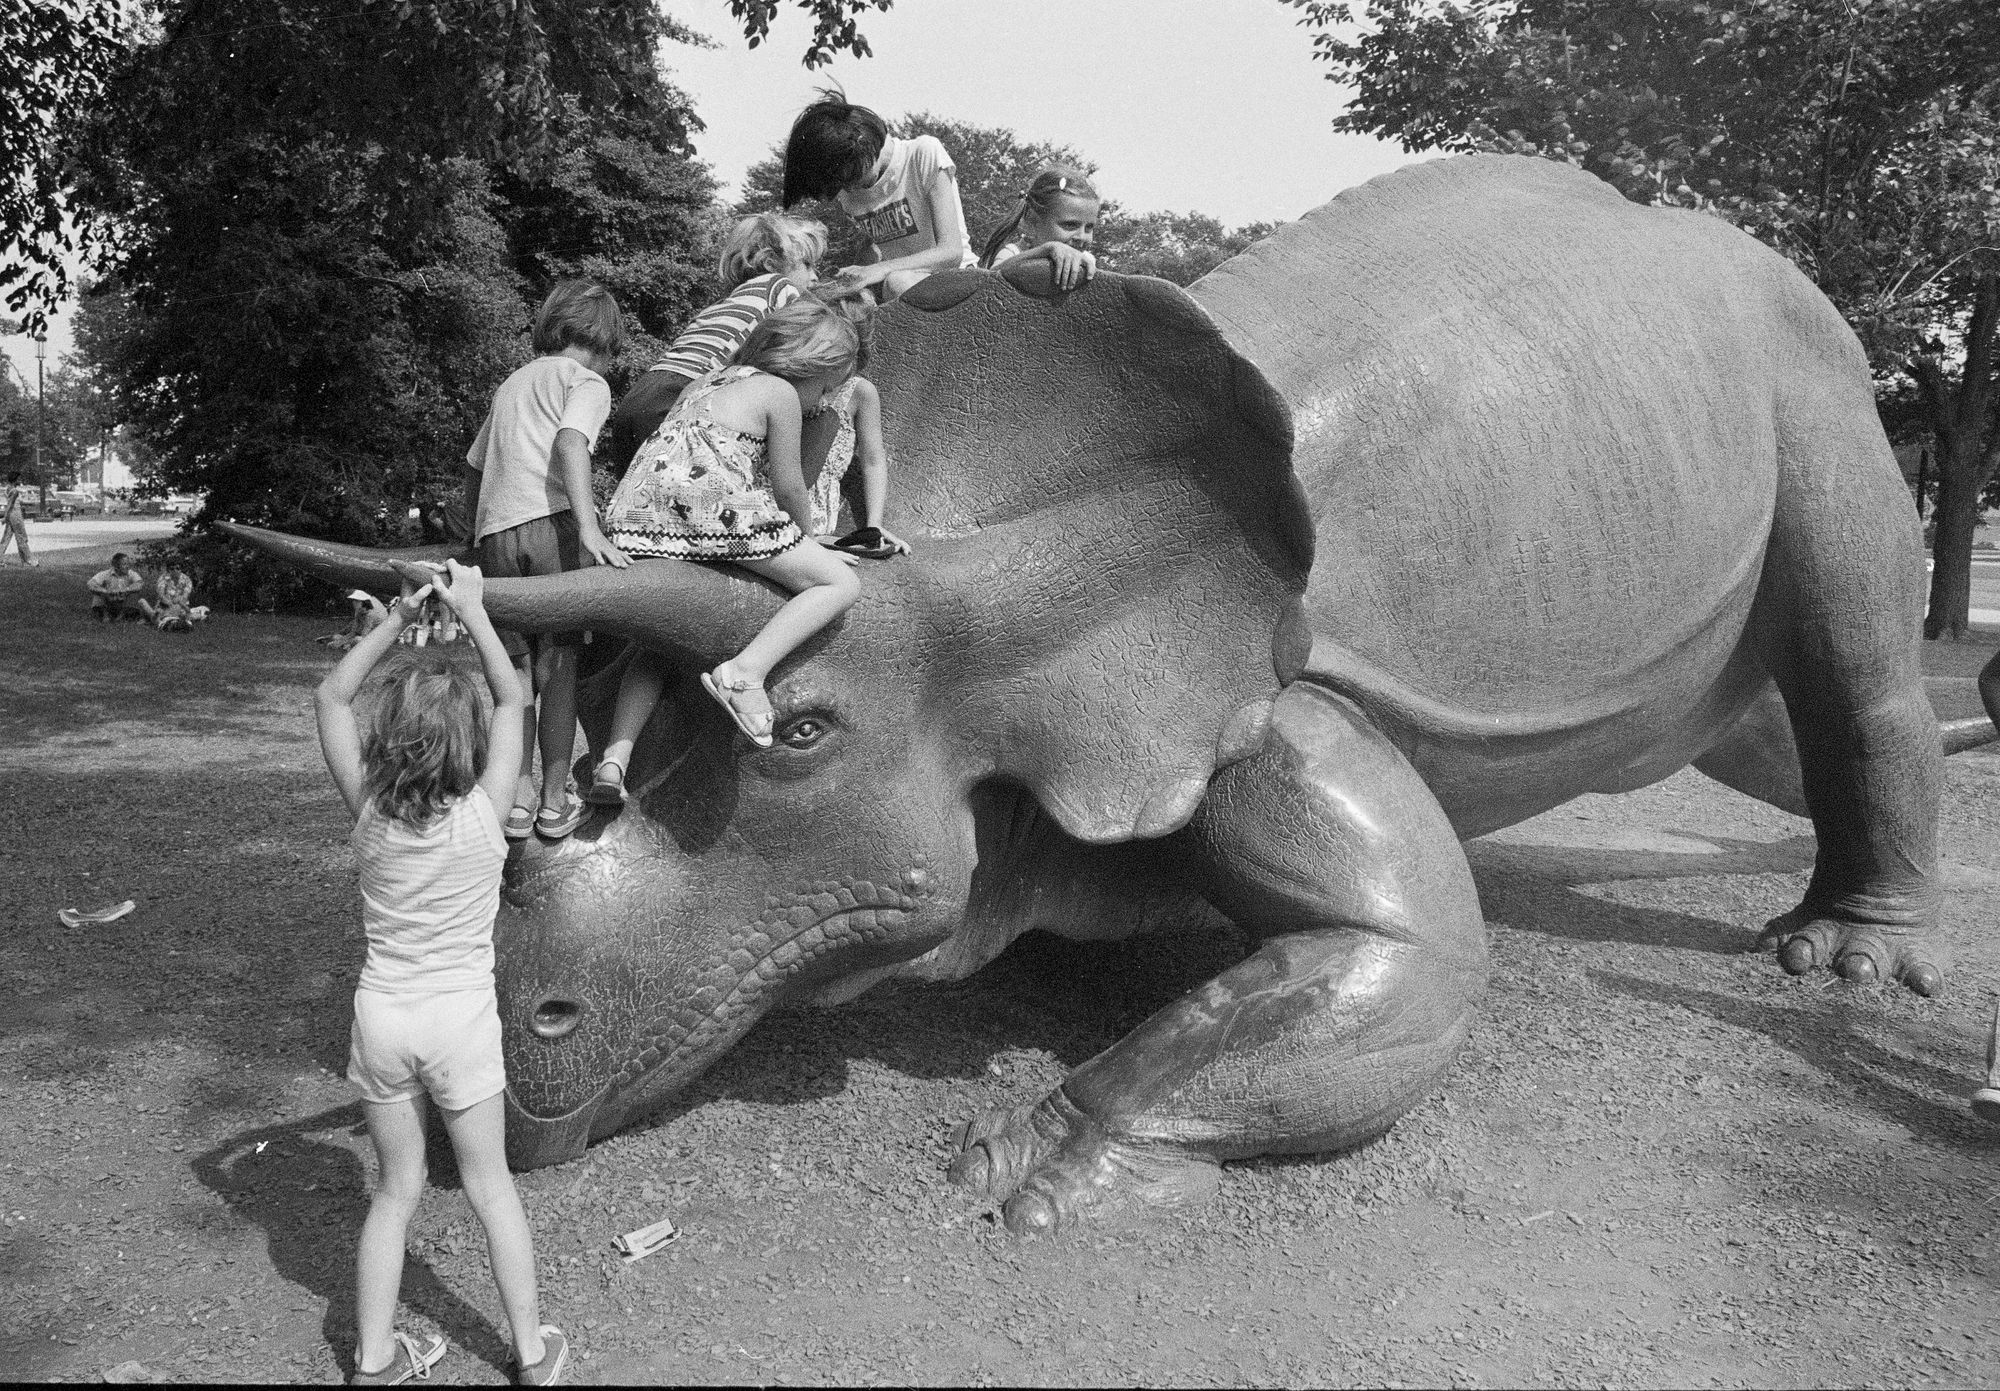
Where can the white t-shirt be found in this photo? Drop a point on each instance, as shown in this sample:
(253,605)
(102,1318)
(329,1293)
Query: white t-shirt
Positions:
(517,443)
(895,211)
(429,897)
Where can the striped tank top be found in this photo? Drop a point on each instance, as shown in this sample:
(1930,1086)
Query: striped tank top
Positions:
(429,897)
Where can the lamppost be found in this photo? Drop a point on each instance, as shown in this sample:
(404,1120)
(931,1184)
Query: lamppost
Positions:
(41,420)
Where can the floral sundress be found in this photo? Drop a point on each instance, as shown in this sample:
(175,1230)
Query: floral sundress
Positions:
(698,490)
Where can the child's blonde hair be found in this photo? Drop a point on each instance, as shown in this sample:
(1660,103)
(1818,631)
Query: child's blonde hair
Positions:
(769,242)
(426,740)
(805,339)
(579,314)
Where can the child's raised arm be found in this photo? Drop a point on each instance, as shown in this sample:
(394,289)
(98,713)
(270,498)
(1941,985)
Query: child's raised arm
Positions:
(874,459)
(466,596)
(339,736)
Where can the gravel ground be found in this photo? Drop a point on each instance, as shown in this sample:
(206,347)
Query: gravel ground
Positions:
(1660,1162)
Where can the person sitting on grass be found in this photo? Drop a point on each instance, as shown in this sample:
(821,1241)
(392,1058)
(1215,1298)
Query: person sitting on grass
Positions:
(424,784)
(174,609)
(115,593)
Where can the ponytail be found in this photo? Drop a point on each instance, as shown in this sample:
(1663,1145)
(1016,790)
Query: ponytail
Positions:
(1058,181)
(1005,234)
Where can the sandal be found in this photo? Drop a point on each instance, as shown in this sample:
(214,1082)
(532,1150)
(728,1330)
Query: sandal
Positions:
(552,823)
(520,823)
(725,693)
(410,1361)
(607,788)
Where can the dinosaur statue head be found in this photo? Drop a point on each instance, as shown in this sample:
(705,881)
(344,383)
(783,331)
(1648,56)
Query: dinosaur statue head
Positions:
(1110,549)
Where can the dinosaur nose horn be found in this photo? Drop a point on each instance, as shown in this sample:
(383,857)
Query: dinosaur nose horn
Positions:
(706,612)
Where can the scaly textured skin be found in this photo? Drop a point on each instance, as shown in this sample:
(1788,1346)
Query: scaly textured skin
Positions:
(1474,490)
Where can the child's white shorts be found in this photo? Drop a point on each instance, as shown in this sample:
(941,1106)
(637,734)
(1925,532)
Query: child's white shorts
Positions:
(446,1044)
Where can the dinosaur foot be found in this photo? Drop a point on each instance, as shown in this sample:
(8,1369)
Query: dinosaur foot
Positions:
(1050,1163)
(1864,953)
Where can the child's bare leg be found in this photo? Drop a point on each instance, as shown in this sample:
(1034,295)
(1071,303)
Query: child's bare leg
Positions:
(397,1128)
(898,281)
(524,786)
(823,586)
(638,692)
(555,669)
(478,1134)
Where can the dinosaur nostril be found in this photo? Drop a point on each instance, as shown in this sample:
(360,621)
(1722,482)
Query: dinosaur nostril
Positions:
(555,1017)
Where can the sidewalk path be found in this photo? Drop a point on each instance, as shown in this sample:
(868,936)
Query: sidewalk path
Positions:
(50,538)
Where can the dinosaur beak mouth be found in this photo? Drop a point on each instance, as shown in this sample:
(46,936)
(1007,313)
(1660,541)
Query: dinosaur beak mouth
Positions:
(536,1142)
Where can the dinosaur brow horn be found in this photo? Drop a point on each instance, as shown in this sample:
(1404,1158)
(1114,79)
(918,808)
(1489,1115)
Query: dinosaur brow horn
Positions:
(667,605)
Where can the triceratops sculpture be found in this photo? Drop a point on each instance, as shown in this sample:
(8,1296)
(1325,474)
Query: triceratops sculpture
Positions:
(1474,490)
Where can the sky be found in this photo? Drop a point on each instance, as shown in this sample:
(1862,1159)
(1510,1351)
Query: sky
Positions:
(1212,106)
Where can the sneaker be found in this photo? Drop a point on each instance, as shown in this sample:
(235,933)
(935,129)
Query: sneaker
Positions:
(409,1362)
(555,1356)
(554,823)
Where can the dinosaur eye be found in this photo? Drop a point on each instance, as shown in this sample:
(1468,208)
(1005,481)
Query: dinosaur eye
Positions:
(802,733)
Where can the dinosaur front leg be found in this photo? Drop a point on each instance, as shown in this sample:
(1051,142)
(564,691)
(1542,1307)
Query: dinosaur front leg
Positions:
(1328,848)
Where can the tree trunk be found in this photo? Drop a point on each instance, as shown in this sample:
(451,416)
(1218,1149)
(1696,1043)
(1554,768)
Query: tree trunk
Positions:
(1956,514)
(1960,417)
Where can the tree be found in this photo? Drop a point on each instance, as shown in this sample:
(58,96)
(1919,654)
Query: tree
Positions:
(1855,138)
(54,55)
(327,257)
(1181,247)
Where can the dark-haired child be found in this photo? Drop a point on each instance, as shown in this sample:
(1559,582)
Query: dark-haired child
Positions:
(527,490)
(1056,221)
(903,194)
(423,783)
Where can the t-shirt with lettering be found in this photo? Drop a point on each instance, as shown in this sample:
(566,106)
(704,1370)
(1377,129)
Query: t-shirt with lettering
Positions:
(429,895)
(516,445)
(895,211)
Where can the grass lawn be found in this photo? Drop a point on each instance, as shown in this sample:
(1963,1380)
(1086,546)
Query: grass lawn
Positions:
(1660,1161)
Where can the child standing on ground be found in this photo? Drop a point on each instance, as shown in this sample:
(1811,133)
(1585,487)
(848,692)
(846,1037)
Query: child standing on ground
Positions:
(721,480)
(423,783)
(903,194)
(1056,221)
(768,261)
(527,489)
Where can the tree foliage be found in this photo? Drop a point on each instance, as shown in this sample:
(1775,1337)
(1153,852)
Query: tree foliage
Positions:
(332,225)
(1857,137)
(54,55)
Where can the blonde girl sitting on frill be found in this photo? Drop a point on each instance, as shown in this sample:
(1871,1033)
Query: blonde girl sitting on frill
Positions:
(721,480)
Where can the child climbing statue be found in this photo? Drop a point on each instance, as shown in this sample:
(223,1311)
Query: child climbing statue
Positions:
(767,262)
(721,480)
(903,194)
(424,783)
(1055,221)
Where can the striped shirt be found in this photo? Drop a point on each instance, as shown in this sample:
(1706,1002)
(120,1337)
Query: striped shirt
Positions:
(429,897)
(713,336)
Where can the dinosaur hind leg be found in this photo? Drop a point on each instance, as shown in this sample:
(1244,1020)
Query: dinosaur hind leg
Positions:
(1329,848)
(1836,622)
